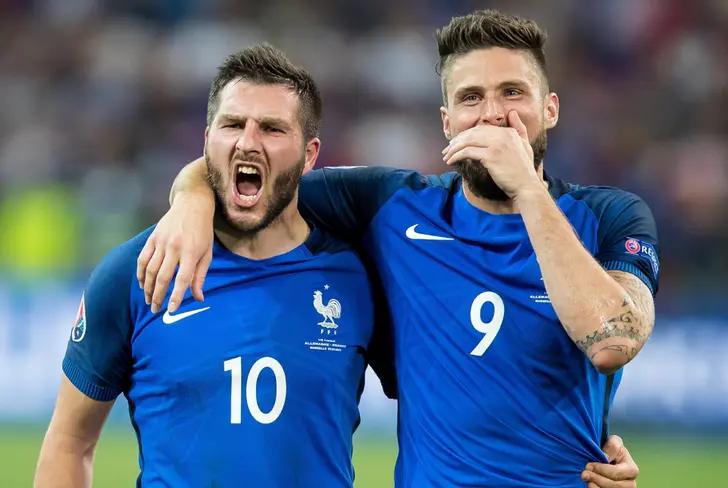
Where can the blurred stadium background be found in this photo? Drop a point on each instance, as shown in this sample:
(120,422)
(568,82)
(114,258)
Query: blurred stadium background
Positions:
(103,102)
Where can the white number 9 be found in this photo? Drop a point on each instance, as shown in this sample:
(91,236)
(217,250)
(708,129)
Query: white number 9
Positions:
(491,328)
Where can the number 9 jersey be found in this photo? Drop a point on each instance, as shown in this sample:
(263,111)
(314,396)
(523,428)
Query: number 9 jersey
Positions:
(492,392)
(257,386)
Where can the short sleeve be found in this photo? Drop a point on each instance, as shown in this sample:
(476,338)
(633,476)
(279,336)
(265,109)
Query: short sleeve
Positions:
(98,355)
(628,239)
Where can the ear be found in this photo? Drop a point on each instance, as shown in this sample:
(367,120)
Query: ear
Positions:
(551,110)
(312,151)
(204,146)
(445,123)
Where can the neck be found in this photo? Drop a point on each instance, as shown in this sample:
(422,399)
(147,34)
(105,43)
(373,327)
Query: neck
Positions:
(288,231)
(496,206)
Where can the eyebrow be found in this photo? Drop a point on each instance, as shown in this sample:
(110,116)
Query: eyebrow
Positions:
(269,121)
(479,89)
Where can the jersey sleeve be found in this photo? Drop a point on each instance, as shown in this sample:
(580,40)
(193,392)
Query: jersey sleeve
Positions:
(344,200)
(98,355)
(628,239)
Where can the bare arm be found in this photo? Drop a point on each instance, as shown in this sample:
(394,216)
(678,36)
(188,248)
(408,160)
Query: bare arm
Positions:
(184,235)
(623,334)
(66,457)
(191,179)
(608,315)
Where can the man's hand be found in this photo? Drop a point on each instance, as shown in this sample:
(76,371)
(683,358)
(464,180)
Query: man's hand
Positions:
(622,473)
(183,236)
(504,151)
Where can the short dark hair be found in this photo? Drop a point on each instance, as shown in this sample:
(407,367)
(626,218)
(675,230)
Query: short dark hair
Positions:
(489,28)
(265,64)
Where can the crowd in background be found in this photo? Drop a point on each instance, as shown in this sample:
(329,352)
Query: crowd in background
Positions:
(102,103)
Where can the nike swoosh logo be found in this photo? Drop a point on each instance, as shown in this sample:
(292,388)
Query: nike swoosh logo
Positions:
(413,234)
(170,319)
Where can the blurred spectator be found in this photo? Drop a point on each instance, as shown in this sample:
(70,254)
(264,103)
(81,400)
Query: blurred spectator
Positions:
(104,101)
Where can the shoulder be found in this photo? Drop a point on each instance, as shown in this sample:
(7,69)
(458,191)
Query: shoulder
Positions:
(616,210)
(109,288)
(119,264)
(603,199)
(608,204)
(346,199)
(109,291)
(618,213)
(375,180)
(98,357)
(626,230)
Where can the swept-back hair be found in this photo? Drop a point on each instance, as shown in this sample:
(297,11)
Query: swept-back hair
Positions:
(489,28)
(265,64)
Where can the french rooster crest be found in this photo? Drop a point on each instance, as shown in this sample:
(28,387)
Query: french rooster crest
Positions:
(330,311)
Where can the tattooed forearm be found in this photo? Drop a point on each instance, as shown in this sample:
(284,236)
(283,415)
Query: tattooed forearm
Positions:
(626,325)
(613,342)
(641,297)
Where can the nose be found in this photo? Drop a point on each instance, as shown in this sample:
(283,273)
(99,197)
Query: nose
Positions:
(492,112)
(249,140)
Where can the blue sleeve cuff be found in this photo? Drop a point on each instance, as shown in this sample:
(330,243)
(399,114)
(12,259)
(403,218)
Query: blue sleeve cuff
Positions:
(629,268)
(82,381)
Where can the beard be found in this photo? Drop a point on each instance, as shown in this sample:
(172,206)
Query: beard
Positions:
(482,184)
(285,186)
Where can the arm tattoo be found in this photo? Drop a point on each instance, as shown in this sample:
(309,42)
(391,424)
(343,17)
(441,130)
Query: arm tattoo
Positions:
(640,295)
(625,324)
(635,327)
(629,352)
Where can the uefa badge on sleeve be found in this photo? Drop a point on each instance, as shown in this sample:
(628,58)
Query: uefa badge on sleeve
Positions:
(79,325)
(633,246)
(645,250)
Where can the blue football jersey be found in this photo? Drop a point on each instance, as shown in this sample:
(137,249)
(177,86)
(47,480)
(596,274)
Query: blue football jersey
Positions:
(492,392)
(257,386)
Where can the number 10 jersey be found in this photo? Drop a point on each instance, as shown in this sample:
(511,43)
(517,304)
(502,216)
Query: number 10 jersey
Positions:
(257,386)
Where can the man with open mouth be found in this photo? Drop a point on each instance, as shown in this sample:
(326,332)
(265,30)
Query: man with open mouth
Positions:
(260,385)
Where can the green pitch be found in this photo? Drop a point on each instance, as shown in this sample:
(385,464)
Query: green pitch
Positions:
(665,463)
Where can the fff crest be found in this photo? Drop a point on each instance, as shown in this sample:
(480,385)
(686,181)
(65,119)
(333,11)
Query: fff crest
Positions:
(330,311)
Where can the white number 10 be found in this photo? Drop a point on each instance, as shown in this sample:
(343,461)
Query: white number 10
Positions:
(491,328)
(235,366)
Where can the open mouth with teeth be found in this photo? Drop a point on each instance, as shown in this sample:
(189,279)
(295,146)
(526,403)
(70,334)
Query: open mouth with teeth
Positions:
(248,185)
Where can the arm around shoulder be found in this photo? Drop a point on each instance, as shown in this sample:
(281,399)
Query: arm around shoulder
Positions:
(192,179)
(183,236)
